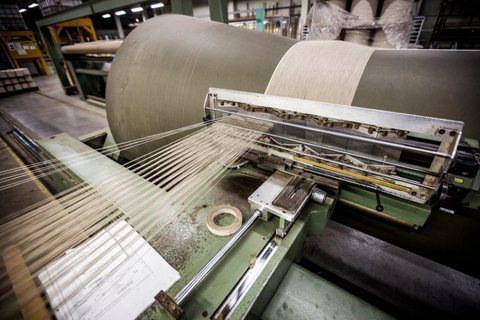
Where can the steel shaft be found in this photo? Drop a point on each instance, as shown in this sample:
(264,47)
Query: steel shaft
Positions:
(207,269)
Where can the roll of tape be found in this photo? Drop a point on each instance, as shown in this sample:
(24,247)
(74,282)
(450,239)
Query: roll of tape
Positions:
(224,230)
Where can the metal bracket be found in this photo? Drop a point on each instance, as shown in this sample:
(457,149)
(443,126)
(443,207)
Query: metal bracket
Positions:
(283,195)
(169,304)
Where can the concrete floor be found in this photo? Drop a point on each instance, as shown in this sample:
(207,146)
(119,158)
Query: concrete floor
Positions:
(41,114)
(49,111)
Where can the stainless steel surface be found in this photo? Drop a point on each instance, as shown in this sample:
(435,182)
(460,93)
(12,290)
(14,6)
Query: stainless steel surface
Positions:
(384,119)
(246,282)
(207,269)
(262,199)
(338,134)
(28,141)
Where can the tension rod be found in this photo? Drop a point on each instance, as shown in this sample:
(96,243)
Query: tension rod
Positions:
(207,269)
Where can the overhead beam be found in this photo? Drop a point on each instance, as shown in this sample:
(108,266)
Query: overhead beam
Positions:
(87,9)
(218,10)
(184,7)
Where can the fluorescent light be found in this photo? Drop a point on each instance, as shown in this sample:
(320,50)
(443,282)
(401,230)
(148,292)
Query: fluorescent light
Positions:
(22,10)
(33,5)
(119,13)
(137,9)
(157,5)
(105,16)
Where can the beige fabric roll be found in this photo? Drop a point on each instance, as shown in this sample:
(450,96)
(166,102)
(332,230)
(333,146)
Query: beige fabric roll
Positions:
(366,11)
(342,4)
(93,47)
(327,71)
(162,73)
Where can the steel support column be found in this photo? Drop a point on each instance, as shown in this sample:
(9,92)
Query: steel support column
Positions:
(218,10)
(56,58)
(118,23)
(184,7)
(304,10)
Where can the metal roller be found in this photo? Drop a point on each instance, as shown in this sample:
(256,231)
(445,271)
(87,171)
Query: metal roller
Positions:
(93,47)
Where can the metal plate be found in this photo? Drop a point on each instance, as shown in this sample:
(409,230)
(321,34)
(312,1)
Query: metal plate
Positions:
(263,198)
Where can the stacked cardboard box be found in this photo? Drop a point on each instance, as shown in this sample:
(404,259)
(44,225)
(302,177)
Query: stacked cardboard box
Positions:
(13,80)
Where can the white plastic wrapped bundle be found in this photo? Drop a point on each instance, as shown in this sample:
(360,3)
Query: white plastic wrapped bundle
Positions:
(396,21)
(326,20)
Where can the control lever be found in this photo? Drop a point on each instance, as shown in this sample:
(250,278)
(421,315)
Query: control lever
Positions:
(379,204)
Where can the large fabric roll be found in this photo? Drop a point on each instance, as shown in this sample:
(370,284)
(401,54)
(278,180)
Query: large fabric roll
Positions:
(435,83)
(163,70)
(327,71)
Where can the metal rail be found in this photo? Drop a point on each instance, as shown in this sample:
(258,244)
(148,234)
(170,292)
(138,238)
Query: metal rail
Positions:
(360,156)
(339,134)
(415,183)
(207,269)
(23,137)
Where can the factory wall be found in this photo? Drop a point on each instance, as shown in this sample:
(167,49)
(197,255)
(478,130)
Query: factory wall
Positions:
(201,9)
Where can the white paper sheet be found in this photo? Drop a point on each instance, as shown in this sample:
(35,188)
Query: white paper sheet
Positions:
(109,289)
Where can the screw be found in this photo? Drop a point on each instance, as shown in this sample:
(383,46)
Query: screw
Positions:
(441,131)
(204,314)
(452,133)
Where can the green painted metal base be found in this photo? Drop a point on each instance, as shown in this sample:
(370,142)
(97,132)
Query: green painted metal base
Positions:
(414,213)
(304,295)
(188,245)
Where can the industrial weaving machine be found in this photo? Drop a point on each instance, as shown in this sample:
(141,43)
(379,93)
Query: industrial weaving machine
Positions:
(203,138)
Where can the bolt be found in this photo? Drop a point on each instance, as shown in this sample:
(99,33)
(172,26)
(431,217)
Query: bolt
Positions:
(204,314)
(441,131)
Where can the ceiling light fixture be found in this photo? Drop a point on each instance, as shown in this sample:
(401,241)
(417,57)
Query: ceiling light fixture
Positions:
(120,13)
(33,5)
(22,10)
(137,9)
(107,15)
(157,5)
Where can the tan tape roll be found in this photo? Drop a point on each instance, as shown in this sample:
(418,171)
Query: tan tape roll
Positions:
(224,230)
